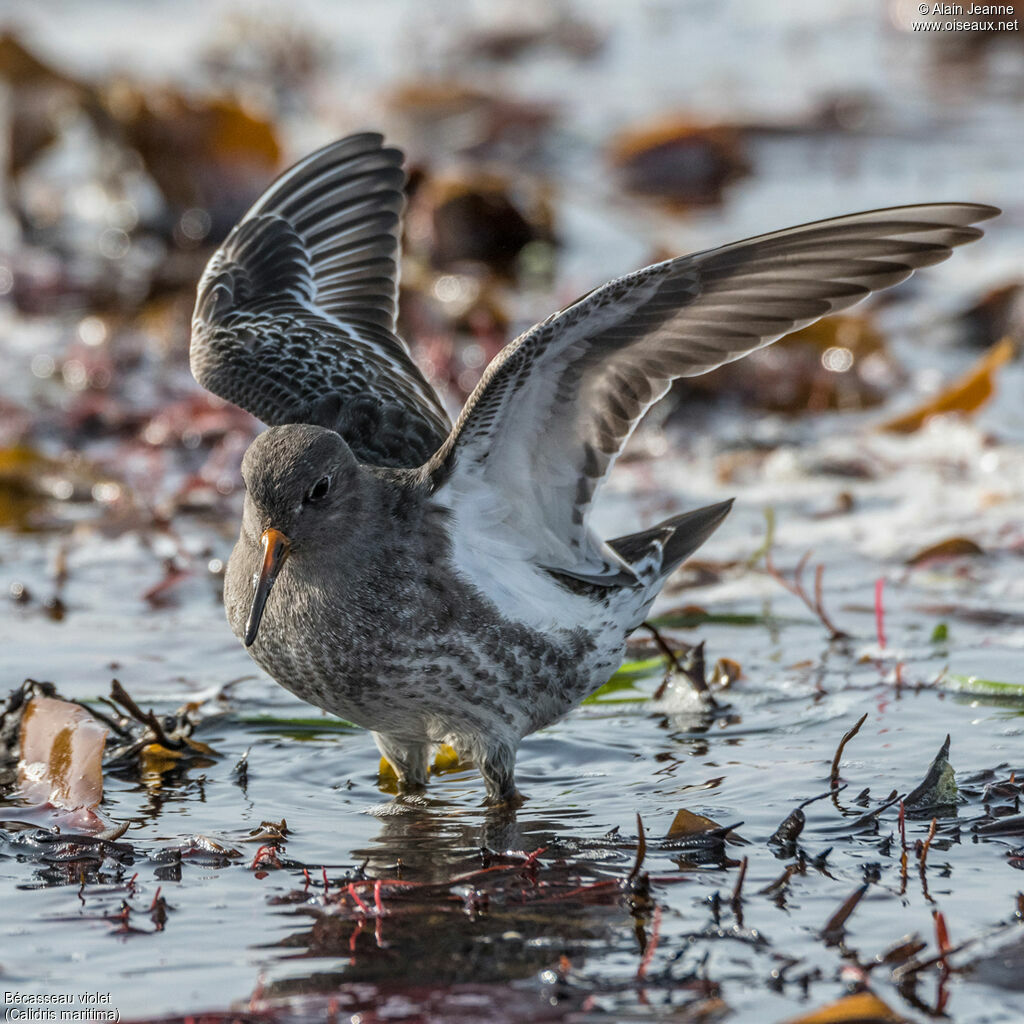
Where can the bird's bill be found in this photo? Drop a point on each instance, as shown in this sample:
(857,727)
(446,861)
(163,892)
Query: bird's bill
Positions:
(275,550)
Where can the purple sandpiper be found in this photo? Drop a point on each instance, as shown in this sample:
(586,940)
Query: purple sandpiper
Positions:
(442,584)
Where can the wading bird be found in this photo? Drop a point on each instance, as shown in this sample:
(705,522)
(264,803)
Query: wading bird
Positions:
(440,583)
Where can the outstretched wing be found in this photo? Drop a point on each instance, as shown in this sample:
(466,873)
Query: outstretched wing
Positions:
(554,408)
(295,316)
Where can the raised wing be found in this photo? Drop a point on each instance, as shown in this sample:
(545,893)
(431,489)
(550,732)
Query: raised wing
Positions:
(554,408)
(295,315)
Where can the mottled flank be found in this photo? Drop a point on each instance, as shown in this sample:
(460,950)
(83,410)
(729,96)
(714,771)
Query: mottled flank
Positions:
(371,620)
(446,587)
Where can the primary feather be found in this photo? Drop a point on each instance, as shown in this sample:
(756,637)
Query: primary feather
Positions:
(295,317)
(542,429)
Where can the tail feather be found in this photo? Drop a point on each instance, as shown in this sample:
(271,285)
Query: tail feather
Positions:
(677,537)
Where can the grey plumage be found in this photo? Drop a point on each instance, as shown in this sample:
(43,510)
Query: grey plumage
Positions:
(442,584)
(295,316)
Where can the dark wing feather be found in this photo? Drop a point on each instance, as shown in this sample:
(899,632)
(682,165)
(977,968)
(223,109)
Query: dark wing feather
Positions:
(295,315)
(554,408)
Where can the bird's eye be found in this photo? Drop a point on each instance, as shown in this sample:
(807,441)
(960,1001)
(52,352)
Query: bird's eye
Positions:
(319,490)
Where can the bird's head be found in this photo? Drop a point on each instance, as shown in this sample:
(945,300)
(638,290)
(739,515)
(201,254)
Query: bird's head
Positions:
(302,485)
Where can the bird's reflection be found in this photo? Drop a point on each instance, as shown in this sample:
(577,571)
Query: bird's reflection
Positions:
(488,894)
(430,838)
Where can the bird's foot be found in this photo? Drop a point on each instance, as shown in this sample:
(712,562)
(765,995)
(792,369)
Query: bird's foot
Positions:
(509,802)
(497,766)
(404,766)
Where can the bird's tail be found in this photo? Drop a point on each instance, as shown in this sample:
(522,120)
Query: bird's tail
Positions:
(656,553)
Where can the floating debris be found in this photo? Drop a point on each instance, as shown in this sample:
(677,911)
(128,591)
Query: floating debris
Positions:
(445,116)
(998,314)
(835,926)
(554,29)
(789,831)
(475,218)
(938,790)
(847,736)
(859,1008)
(209,157)
(31,483)
(61,754)
(58,750)
(964,396)
(699,839)
(682,161)
(952,547)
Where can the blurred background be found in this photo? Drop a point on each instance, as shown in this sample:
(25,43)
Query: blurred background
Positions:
(550,145)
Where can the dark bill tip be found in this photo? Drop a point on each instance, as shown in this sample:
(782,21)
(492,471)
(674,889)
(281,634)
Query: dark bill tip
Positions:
(275,550)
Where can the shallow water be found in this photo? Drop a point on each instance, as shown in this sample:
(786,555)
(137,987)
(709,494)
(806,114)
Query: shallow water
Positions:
(225,937)
(235,939)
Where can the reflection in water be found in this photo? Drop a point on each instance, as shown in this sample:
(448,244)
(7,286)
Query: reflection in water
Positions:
(548,892)
(463,898)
